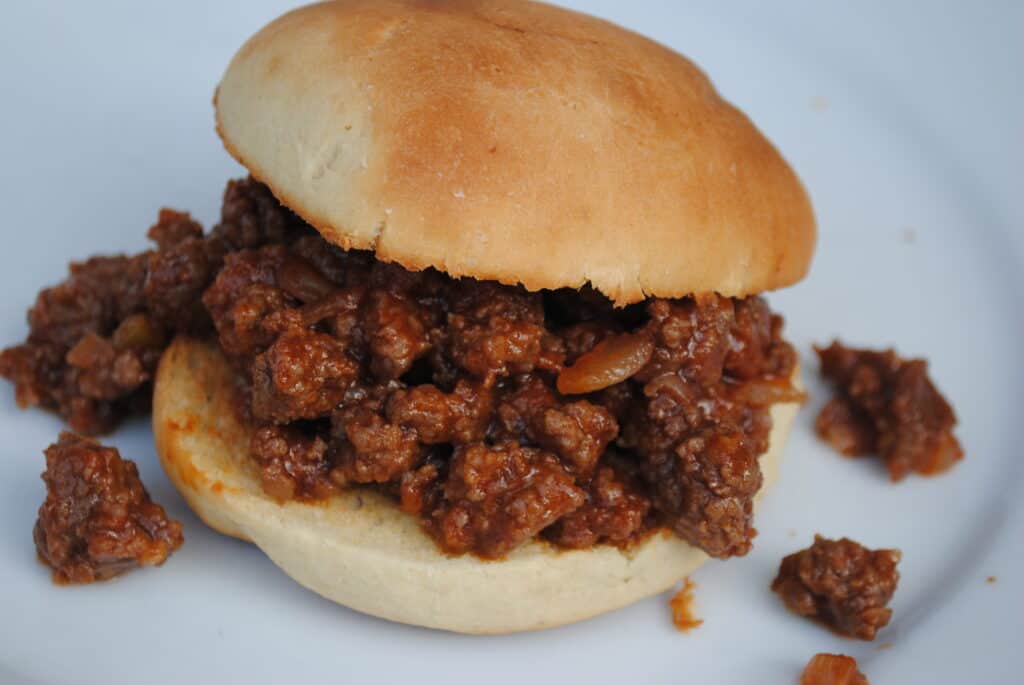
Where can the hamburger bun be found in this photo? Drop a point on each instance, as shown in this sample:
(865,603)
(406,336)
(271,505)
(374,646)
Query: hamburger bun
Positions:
(514,141)
(359,550)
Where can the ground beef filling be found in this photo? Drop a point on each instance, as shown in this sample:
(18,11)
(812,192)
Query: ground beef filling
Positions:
(98,520)
(887,406)
(495,414)
(840,583)
(95,339)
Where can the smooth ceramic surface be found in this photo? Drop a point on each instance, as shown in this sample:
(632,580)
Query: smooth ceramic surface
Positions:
(908,129)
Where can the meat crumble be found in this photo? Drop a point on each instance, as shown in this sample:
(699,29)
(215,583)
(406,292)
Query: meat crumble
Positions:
(95,339)
(98,520)
(495,414)
(887,406)
(840,583)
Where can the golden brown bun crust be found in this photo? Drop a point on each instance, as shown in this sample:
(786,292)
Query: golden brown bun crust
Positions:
(359,550)
(514,141)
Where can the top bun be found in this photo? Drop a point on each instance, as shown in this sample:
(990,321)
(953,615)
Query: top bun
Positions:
(514,141)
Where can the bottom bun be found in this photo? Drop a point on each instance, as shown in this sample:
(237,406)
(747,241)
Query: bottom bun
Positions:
(359,550)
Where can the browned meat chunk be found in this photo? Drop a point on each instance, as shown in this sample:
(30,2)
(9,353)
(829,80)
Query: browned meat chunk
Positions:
(243,299)
(887,406)
(303,375)
(578,432)
(691,337)
(700,461)
(437,417)
(89,393)
(422,490)
(105,372)
(753,342)
(699,437)
(98,520)
(707,486)
(615,512)
(173,228)
(74,363)
(292,463)
(396,335)
(496,331)
(840,583)
(849,431)
(498,497)
(251,216)
(369,448)
(180,271)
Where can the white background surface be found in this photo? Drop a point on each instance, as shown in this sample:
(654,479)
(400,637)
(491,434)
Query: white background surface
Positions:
(907,125)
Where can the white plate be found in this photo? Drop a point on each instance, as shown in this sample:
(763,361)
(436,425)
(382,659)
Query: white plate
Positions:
(908,129)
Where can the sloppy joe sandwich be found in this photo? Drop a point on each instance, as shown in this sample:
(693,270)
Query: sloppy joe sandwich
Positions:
(480,345)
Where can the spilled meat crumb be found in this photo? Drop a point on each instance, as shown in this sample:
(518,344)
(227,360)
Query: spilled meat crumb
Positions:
(887,405)
(98,520)
(840,583)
